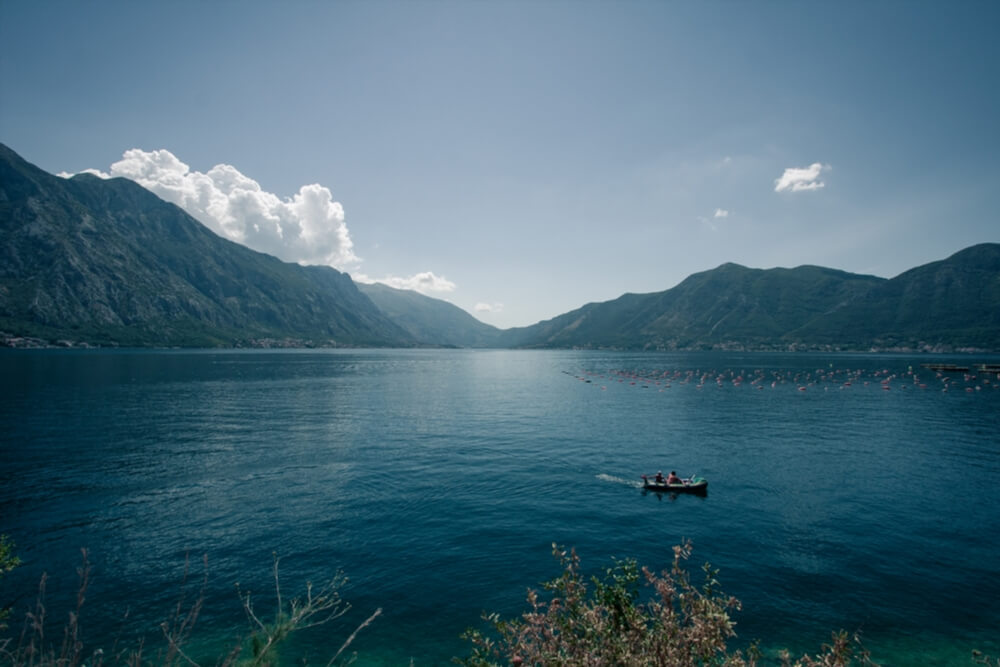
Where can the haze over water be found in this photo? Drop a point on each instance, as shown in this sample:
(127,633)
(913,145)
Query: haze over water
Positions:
(438,480)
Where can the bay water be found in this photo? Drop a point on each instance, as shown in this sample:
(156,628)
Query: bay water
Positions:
(853,491)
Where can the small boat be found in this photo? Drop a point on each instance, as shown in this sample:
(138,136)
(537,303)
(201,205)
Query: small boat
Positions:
(689,485)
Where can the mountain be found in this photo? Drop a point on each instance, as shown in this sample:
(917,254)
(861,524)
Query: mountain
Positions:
(431,321)
(108,262)
(947,305)
(952,303)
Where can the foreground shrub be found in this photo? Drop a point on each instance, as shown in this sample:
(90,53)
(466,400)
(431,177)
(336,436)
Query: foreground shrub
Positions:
(606,623)
(8,561)
(317,606)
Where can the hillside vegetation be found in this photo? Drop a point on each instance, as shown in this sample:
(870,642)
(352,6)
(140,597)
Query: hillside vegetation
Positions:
(950,305)
(106,262)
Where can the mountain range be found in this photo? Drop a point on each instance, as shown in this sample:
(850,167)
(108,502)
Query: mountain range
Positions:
(949,305)
(105,262)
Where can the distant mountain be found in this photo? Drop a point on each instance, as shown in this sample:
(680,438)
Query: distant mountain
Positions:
(948,305)
(107,262)
(431,321)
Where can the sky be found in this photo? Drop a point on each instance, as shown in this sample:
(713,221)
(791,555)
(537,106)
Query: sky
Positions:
(523,158)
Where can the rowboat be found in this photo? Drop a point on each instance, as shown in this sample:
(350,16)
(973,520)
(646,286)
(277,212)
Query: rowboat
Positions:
(690,485)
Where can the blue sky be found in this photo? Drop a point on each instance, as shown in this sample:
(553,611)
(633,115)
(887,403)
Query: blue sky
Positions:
(525,158)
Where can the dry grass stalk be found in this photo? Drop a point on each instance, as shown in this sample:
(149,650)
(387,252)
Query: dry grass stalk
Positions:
(317,607)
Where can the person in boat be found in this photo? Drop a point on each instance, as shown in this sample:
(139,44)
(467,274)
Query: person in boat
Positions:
(674,479)
(659,477)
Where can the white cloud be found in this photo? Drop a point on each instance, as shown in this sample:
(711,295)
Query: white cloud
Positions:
(425,282)
(92,172)
(709,223)
(489,308)
(797,179)
(307,228)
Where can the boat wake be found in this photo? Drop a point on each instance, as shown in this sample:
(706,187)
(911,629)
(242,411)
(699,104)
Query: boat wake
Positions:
(634,483)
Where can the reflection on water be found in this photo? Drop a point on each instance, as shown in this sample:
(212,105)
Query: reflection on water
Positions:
(847,491)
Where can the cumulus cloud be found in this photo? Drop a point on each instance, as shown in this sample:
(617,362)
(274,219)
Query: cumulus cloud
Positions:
(307,228)
(721,213)
(797,179)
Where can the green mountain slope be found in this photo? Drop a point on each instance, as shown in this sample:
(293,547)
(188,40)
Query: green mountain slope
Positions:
(108,262)
(431,321)
(946,305)
(730,306)
(953,303)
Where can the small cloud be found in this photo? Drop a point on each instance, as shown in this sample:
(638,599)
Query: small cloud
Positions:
(424,283)
(92,172)
(489,308)
(798,179)
(709,222)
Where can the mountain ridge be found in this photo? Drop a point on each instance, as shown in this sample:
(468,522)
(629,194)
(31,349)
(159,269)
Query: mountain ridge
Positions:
(806,307)
(430,321)
(98,261)
(107,262)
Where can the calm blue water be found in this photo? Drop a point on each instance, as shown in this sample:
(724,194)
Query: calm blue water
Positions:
(437,480)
